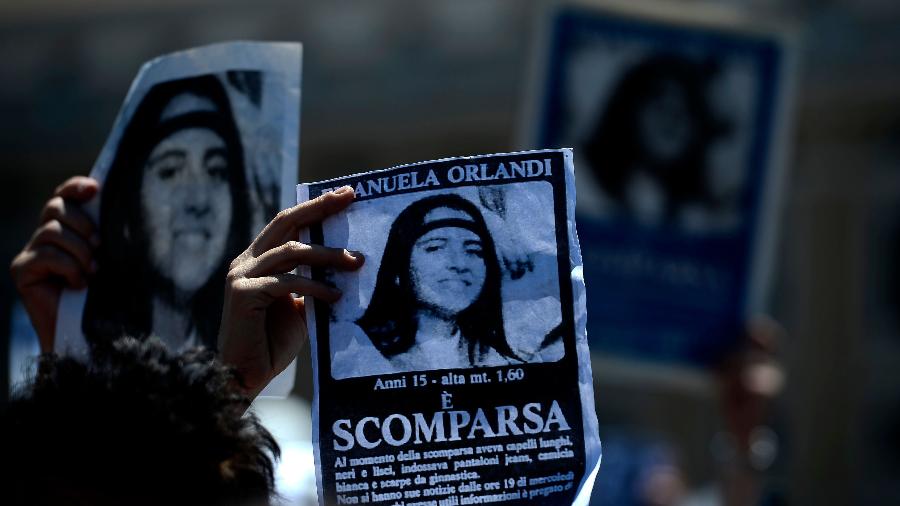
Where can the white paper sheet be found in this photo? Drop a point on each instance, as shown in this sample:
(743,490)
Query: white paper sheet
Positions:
(455,368)
(201,156)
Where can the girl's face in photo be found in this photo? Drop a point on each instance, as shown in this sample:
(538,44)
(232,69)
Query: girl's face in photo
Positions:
(186,201)
(664,123)
(447,268)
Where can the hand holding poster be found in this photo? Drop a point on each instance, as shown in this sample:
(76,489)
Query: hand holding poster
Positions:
(455,369)
(201,156)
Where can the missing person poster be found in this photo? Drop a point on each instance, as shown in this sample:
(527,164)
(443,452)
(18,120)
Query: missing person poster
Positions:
(678,116)
(455,369)
(202,155)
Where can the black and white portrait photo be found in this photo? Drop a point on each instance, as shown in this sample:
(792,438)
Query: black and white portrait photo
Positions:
(175,209)
(652,147)
(665,120)
(449,282)
(194,168)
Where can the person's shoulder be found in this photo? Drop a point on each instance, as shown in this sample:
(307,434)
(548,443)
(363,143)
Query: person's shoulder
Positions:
(359,357)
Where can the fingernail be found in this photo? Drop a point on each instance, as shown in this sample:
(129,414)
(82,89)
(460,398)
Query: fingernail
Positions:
(84,186)
(343,189)
(355,254)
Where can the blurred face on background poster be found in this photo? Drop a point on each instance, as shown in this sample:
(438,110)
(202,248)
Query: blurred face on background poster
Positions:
(654,146)
(665,124)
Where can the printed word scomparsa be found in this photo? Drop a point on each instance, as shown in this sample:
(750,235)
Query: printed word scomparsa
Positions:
(399,429)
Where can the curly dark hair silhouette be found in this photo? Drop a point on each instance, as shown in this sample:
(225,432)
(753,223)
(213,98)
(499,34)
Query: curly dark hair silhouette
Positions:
(138,425)
(616,147)
(120,298)
(390,320)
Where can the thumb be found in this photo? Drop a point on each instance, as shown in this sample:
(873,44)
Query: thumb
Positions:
(78,188)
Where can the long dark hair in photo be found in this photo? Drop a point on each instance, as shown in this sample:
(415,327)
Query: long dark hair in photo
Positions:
(120,298)
(390,320)
(615,147)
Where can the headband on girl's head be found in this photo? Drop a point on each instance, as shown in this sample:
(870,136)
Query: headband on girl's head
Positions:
(200,119)
(450,223)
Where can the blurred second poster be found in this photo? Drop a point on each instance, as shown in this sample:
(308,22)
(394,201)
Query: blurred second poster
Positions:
(677,117)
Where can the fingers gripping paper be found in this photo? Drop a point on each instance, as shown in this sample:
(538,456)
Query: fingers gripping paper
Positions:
(455,368)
